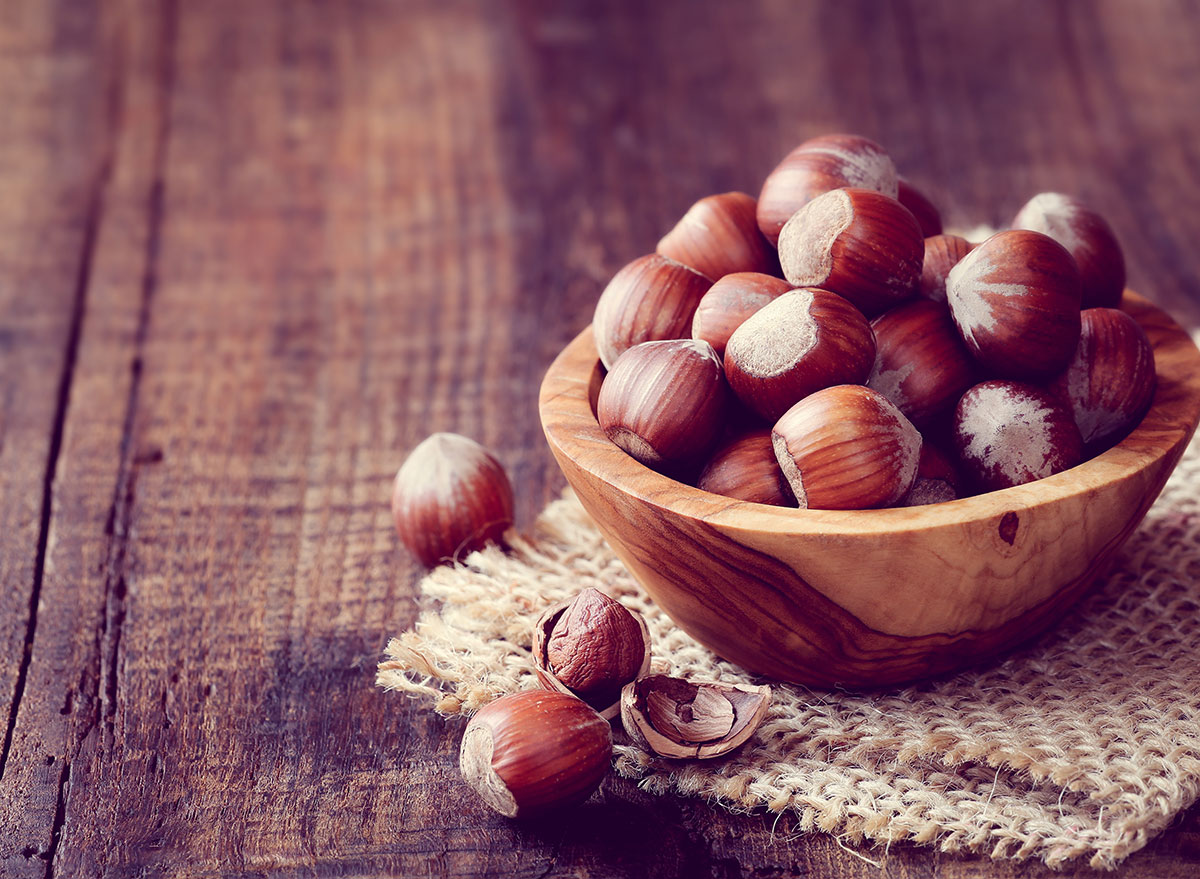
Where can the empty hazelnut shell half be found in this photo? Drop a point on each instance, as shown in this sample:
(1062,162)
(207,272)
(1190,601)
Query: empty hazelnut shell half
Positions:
(591,647)
(674,717)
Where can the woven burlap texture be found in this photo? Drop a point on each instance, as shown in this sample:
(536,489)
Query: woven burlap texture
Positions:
(1083,745)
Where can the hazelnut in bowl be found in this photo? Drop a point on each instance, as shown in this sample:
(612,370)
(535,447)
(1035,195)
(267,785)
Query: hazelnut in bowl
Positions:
(873,597)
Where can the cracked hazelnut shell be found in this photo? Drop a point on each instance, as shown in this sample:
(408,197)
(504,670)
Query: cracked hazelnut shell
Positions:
(675,717)
(591,646)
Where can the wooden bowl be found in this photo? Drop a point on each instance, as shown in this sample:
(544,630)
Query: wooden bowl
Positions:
(872,597)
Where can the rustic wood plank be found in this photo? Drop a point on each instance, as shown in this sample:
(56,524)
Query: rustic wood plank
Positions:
(54,167)
(330,229)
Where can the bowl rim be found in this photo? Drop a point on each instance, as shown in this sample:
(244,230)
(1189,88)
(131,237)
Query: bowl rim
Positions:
(565,407)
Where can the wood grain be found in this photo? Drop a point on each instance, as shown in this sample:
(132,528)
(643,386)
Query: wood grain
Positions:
(252,253)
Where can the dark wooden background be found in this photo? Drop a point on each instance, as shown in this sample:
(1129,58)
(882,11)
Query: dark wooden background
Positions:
(251,252)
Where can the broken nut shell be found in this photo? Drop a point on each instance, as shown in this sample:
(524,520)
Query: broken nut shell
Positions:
(591,647)
(674,717)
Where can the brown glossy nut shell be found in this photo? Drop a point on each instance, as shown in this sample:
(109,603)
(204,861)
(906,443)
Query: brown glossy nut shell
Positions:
(1109,383)
(730,301)
(746,469)
(719,236)
(709,719)
(1087,237)
(858,243)
(1015,300)
(803,341)
(665,403)
(1009,433)
(927,214)
(942,253)
(531,751)
(831,161)
(450,497)
(937,479)
(847,448)
(651,298)
(921,364)
(606,644)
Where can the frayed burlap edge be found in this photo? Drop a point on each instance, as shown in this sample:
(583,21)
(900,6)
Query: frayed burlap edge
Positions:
(1084,745)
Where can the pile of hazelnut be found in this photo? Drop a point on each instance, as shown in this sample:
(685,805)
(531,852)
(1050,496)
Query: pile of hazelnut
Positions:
(826,346)
(530,751)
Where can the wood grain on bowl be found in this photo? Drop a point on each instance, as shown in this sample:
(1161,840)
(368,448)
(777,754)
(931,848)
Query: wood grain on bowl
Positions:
(874,597)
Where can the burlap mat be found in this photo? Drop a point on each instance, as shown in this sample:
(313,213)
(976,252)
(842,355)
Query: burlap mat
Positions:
(1084,745)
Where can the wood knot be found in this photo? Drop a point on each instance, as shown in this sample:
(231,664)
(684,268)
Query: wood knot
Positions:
(1008,527)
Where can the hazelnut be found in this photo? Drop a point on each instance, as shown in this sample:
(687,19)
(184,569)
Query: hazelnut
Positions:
(650,298)
(921,364)
(591,646)
(847,448)
(926,213)
(802,341)
(1087,237)
(535,750)
(1009,433)
(665,403)
(937,479)
(1015,300)
(719,236)
(746,469)
(450,497)
(729,302)
(942,253)
(856,242)
(831,161)
(675,717)
(1109,383)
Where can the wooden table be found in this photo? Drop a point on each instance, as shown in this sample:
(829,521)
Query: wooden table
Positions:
(252,252)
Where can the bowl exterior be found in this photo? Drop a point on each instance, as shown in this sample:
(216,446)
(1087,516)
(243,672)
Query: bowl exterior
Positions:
(876,597)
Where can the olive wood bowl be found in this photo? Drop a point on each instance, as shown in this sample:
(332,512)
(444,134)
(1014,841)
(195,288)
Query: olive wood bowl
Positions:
(871,598)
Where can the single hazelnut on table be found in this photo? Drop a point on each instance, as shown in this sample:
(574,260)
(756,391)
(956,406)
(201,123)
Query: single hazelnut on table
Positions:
(450,497)
(937,479)
(847,448)
(927,215)
(719,236)
(651,298)
(531,751)
(729,302)
(858,243)
(803,341)
(746,469)
(1087,237)
(942,253)
(1109,383)
(591,646)
(665,403)
(830,161)
(921,364)
(1009,433)
(1015,301)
